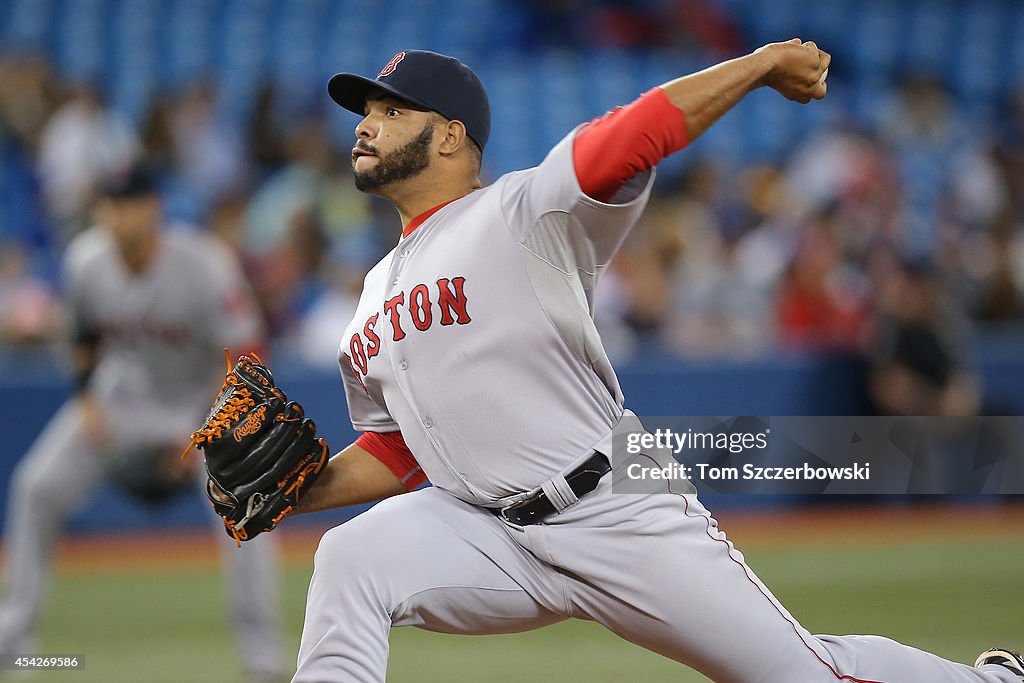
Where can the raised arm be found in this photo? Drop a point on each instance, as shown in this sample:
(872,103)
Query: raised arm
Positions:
(795,69)
(630,140)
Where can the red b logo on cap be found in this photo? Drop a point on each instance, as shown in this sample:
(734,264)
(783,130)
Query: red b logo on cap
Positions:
(390,67)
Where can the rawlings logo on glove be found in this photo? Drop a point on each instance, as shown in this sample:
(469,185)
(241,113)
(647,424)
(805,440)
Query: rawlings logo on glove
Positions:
(261,451)
(252,425)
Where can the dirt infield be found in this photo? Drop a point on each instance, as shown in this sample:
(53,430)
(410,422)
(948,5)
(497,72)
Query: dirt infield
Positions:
(805,527)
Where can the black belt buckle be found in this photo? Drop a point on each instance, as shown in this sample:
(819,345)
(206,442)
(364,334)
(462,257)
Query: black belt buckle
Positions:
(529,511)
(581,480)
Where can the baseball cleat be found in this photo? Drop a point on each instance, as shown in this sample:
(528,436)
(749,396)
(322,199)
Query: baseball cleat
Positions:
(1005,658)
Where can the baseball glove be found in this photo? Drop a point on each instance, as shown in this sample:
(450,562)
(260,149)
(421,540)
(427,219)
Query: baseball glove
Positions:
(261,451)
(150,473)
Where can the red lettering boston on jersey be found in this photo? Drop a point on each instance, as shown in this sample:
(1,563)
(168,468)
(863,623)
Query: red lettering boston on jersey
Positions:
(419,307)
(372,340)
(391,308)
(452,304)
(452,297)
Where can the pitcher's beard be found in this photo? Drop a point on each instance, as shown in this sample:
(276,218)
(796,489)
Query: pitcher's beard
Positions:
(405,162)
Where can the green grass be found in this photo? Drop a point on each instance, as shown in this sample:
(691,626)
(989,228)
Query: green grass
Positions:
(157,626)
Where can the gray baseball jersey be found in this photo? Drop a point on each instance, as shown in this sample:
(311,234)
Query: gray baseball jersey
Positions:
(161,335)
(162,331)
(474,337)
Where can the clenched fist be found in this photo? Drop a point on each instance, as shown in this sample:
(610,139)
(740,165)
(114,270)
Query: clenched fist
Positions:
(798,70)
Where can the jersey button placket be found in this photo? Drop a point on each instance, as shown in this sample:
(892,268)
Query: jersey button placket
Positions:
(397,266)
(400,364)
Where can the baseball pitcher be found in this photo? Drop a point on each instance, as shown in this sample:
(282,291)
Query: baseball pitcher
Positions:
(473,361)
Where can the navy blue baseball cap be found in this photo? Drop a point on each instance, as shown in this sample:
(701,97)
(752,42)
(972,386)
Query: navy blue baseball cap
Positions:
(427,79)
(130,182)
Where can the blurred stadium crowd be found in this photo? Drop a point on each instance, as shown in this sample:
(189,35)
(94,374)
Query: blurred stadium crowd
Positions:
(885,221)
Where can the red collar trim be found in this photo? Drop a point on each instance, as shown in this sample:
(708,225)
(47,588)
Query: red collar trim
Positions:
(419,220)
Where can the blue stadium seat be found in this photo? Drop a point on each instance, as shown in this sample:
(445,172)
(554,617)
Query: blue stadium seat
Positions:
(558,91)
(827,23)
(773,20)
(28,22)
(931,26)
(1015,47)
(612,79)
(402,33)
(80,31)
(876,37)
(242,56)
(725,147)
(340,124)
(297,43)
(188,43)
(347,41)
(513,104)
(978,67)
(766,125)
(136,46)
(133,58)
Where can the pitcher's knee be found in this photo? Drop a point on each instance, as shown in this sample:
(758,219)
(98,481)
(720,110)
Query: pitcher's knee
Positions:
(347,577)
(384,553)
(337,552)
(382,538)
(351,555)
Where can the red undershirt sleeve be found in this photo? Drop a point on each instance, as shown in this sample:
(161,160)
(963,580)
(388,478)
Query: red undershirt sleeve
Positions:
(390,449)
(613,148)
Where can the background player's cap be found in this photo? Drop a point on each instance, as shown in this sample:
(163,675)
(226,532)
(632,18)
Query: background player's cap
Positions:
(428,79)
(133,181)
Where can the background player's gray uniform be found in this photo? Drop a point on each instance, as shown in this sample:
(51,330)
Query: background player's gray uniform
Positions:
(498,388)
(160,359)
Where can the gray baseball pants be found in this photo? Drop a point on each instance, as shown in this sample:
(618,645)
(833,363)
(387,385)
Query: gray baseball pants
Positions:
(55,478)
(654,569)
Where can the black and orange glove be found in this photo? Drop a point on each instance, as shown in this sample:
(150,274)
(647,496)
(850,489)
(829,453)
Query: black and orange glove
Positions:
(261,451)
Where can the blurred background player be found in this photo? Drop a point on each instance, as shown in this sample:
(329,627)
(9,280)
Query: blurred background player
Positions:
(150,311)
(919,365)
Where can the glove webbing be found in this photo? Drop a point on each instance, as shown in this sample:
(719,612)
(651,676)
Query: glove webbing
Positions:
(229,411)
